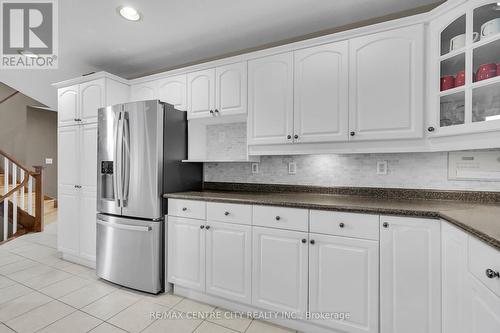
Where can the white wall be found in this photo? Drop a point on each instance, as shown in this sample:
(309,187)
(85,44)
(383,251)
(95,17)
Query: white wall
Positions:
(416,170)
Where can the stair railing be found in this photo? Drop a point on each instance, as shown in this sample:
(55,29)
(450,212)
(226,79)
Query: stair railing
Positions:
(18,187)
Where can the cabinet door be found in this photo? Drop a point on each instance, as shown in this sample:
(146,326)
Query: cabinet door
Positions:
(279,274)
(173,90)
(343,278)
(144,91)
(201,93)
(320,97)
(483,312)
(87,224)
(68,211)
(229,264)
(410,279)
(386,84)
(231,89)
(92,97)
(67,105)
(270,99)
(186,253)
(453,278)
(88,181)
(68,153)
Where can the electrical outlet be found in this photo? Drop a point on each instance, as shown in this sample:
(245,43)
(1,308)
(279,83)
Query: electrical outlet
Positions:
(255,168)
(292,168)
(49,161)
(381,167)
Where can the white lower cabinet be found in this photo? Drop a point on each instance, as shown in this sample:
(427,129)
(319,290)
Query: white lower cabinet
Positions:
(483,311)
(229,261)
(279,274)
(343,281)
(186,252)
(410,276)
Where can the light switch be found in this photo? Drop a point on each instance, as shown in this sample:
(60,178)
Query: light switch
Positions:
(381,167)
(255,168)
(48,160)
(292,168)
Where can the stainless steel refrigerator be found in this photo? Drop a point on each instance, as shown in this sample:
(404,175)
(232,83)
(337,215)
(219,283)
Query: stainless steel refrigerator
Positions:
(140,150)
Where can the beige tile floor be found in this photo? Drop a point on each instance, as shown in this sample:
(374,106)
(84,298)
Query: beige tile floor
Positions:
(39,292)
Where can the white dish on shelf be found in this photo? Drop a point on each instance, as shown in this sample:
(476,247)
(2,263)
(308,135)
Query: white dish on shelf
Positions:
(457,42)
(490,28)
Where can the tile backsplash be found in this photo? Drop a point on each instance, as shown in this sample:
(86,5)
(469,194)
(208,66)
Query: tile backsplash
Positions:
(405,170)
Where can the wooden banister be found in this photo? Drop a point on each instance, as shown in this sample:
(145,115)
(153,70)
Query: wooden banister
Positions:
(16,162)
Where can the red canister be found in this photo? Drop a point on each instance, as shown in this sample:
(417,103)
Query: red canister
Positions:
(460,79)
(486,71)
(498,69)
(447,82)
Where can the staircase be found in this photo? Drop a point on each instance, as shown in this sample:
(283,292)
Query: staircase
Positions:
(22,204)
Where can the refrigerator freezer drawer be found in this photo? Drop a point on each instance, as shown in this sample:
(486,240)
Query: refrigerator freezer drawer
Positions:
(129,252)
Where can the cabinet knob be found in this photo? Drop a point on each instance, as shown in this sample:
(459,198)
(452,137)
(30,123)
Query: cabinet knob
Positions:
(226,213)
(312,241)
(216,111)
(430,129)
(288,137)
(277,218)
(184,209)
(352,133)
(491,274)
(207,227)
(295,136)
(212,112)
(202,227)
(385,225)
(304,240)
(341,224)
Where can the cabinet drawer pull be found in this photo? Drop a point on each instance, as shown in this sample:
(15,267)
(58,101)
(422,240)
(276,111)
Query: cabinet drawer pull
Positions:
(312,241)
(491,274)
(202,227)
(385,225)
(277,218)
(207,227)
(430,129)
(226,213)
(353,133)
(341,224)
(295,136)
(288,137)
(304,240)
(184,209)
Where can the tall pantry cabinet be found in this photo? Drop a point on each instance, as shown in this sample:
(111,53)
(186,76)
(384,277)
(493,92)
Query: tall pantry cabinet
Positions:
(78,101)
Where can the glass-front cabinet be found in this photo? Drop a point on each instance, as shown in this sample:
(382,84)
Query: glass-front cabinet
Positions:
(464,87)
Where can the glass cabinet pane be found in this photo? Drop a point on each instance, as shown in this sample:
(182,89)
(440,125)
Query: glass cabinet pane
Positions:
(452,109)
(486,22)
(453,36)
(486,61)
(452,72)
(486,103)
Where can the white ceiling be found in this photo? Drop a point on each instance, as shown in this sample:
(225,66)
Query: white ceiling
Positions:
(174,32)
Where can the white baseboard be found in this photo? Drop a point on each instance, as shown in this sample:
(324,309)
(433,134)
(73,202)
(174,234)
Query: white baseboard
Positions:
(300,325)
(78,260)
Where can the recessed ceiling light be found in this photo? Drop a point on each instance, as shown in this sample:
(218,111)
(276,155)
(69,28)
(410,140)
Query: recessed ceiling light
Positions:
(28,54)
(129,13)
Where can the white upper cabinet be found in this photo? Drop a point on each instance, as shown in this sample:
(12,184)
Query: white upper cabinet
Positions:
(386,84)
(144,91)
(91,99)
(229,261)
(343,277)
(67,105)
(173,90)
(231,89)
(410,276)
(201,93)
(270,99)
(280,270)
(321,93)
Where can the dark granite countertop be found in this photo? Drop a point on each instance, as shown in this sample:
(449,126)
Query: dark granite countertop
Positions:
(479,219)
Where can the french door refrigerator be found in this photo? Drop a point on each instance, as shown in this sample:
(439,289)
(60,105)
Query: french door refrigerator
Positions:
(140,150)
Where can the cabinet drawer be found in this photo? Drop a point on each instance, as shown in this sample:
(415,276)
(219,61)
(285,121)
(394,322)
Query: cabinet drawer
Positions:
(233,213)
(345,224)
(281,217)
(187,208)
(481,258)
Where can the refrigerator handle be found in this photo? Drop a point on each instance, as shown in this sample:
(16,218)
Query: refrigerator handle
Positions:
(117,168)
(126,158)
